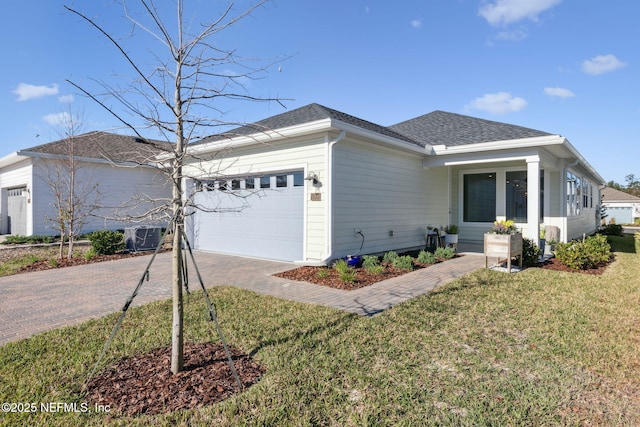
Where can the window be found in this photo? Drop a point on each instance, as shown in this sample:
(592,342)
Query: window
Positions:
(265,182)
(571,194)
(516,192)
(235,184)
(298,179)
(223,185)
(249,184)
(281,181)
(479,197)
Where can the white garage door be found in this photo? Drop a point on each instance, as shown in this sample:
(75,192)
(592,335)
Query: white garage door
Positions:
(17,211)
(259,216)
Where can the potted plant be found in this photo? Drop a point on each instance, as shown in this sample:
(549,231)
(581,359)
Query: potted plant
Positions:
(503,241)
(451,236)
(543,233)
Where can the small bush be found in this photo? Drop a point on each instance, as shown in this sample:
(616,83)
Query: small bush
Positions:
(403,263)
(530,253)
(375,269)
(612,230)
(322,273)
(445,253)
(90,254)
(588,253)
(348,276)
(105,242)
(370,261)
(425,257)
(389,257)
(341,266)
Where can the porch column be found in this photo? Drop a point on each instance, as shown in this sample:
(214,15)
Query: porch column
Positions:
(533,199)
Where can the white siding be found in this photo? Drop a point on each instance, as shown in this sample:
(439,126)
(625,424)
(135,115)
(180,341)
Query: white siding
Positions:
(122,192)
(377,190)
(16,175)
(307,154)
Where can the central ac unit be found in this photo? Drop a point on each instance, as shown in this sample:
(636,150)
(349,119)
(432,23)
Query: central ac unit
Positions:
(142,238)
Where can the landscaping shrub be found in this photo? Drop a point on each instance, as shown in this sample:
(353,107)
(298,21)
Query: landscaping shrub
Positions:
(341,266)
(445,253)
(612,230)
(389,257)
(369,261)
(588,253)
(530,253)
(105,242)
(403,262)
(322,273)
(426,257)
(346,273)
(375,269)
(371,264)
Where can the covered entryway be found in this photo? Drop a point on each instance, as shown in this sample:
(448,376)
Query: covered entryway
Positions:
(17,211)
(260,216)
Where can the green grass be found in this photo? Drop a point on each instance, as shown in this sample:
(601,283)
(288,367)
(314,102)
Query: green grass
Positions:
(15,264)
(535,348)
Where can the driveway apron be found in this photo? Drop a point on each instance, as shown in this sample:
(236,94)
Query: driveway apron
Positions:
(35,302)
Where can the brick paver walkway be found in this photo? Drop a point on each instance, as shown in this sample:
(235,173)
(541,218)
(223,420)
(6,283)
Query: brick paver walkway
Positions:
(35,302)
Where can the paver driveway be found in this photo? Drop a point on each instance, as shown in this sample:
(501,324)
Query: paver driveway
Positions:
(35,302)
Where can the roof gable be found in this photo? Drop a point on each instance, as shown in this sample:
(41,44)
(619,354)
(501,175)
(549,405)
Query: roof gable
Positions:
(104,145)
(442,128)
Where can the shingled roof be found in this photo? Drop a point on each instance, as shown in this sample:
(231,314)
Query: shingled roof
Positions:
(104,145)
(612,195)
(307,114)
(442,128)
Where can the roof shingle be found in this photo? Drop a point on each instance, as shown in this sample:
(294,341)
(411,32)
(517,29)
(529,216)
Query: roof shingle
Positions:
(104,145)
(442,128)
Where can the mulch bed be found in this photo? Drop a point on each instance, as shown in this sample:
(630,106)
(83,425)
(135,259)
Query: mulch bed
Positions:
(557,265)
(332,278)
(76,260)
(144,384)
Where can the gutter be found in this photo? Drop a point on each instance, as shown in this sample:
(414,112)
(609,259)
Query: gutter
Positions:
(329,207)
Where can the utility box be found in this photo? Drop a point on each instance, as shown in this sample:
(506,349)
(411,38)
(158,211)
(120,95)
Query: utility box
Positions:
(142,238)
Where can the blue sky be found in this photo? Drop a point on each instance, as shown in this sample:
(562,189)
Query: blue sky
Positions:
(562,66)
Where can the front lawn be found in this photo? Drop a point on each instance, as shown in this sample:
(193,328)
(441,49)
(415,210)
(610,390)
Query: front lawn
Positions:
(539,347)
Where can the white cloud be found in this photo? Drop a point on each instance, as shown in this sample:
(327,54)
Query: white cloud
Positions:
(416,23)
(602,64)
(512,36)
(498,103)
(26,91)
(66,99)
(57,119)
(503,12)
(559,92)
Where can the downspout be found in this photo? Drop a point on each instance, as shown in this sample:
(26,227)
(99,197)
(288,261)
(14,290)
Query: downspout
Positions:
(329,192)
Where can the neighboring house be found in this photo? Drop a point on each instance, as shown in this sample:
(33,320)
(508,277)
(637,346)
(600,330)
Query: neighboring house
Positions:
(622,208)
(127,182)
(306,185)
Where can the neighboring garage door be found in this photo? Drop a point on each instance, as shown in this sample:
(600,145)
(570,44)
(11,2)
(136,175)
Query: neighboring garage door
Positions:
(17,211)
(621,214)
(258,216)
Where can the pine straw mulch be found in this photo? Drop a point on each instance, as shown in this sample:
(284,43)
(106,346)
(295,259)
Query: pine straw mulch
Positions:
(144,384)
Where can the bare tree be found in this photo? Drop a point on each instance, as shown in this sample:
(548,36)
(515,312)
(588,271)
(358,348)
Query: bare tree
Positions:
(182,96)
(75,197)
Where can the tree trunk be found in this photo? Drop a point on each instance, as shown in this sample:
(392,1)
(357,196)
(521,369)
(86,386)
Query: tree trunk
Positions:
(177,359)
